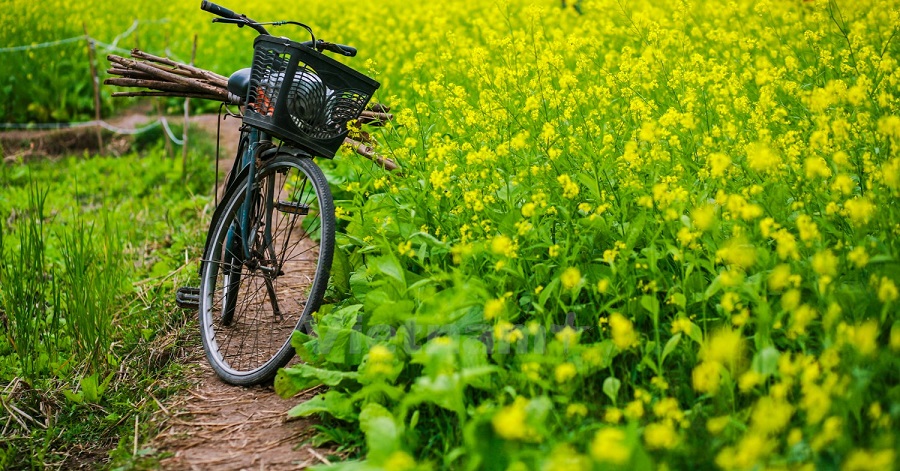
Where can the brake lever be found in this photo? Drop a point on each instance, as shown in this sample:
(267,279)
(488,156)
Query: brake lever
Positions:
(239,22)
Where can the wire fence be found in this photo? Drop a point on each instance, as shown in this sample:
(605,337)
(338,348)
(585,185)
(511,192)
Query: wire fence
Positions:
(112,46)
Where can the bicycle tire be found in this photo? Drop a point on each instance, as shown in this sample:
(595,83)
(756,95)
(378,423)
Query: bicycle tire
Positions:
(245,339)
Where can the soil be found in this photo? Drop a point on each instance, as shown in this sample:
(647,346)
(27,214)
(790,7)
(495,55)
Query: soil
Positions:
(210,425)
(213,425)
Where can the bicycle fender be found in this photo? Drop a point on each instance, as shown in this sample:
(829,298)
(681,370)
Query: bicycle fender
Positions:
(285,149)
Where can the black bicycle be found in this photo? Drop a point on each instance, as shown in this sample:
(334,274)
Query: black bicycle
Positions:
(269,248)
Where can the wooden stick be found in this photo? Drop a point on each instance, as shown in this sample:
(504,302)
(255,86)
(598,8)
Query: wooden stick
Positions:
(95,80)
(208,75)
(206,88)
(187,116)
(369,153)
(154,84)
(128,73)
(174,94)
(377,115)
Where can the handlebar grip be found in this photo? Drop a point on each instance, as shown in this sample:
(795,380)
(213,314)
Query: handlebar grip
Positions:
(344,49)
(218,10)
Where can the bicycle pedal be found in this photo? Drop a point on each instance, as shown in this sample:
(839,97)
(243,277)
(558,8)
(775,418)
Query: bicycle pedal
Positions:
(292,208)
(188,297)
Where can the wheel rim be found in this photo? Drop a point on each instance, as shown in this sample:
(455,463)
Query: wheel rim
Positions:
(250,306)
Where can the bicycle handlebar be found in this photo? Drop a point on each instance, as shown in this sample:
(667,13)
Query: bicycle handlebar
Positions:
(228,16)
(240,20)
(342,49)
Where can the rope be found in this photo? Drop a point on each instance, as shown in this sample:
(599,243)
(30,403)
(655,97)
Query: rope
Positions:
(172,137)
(114,46)
(109,127)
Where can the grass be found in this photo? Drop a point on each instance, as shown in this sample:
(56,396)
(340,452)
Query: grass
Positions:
(92,248)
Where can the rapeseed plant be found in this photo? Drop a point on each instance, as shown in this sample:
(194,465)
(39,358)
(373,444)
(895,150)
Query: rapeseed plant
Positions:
(703,193)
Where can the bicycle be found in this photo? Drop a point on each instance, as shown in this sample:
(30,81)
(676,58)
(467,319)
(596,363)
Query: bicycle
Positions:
(269,247)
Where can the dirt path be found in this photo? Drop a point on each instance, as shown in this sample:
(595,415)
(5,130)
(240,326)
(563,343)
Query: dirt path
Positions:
(216,426)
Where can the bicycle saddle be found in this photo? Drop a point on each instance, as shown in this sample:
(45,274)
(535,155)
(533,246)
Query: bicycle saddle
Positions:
(239,83)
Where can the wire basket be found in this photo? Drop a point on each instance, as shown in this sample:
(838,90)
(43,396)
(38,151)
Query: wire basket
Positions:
(302,96)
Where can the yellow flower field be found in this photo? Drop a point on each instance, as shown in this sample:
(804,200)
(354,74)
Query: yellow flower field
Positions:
(626,234)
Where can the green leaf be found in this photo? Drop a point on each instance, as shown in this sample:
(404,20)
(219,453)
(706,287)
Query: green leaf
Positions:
(765,362)
(340,272)
(332,402)
(290,381)
(343,346)
(359,285)
(392,312)
(696,334)
(678,299)
(670,346)
(77,398)
(382,433)
(651,304)
(611,387)
(390,267)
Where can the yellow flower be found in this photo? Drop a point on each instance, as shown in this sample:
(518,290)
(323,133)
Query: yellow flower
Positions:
(404,249)
(400,461)
(570,188)
(718,164)
(703,217)
(809,230)
(887,290)
(682,324)
(660,436)
(503,245)
(613,415)
(831,431)
(780,277)
(576,410)
(570,278)
(622,331)
(859,257)
(816,167)
(825,263)
(532,371)
(715,425)
(724,347)
(564,372)
(493,308)
(609,446)
(771,415)
(634,410)
(706,377)
(859,210)
(510,422)
(738,252)
(528,210)
(865,460)
(746,454)
(603,286)
(864,337)
(761,158)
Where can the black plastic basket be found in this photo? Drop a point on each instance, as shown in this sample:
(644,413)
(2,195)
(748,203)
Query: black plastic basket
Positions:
(303,97)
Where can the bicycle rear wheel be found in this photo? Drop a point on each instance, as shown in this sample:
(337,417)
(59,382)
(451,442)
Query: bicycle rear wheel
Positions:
(265,268)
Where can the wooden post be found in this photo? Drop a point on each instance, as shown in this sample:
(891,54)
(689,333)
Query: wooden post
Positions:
(95,80)
(187,117)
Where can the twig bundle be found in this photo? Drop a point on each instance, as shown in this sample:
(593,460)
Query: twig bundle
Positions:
(163,77)
(167,78)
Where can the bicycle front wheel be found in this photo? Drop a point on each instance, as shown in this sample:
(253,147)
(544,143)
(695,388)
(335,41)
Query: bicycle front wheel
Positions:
(265,268)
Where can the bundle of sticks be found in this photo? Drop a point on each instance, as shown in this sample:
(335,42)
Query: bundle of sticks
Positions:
(162,77)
